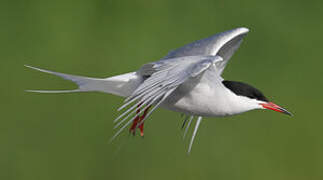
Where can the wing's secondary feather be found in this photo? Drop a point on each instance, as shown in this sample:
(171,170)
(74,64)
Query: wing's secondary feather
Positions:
(165,77)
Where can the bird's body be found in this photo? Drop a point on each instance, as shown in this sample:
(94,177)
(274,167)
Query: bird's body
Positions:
(206,99)
(187,80)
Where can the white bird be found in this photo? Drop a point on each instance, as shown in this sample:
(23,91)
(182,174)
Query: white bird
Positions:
(187,80)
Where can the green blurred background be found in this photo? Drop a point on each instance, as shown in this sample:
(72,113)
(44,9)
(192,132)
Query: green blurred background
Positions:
(65,136)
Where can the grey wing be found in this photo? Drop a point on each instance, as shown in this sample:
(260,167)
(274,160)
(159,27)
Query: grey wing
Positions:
(222,44)
(165,77)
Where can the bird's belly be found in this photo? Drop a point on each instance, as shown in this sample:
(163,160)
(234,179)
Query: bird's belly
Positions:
(200,100)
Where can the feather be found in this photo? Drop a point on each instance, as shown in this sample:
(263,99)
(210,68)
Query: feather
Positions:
(185,120)
(188,126)
(199,119)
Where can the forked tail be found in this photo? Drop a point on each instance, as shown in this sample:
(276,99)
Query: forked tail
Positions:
(120,85)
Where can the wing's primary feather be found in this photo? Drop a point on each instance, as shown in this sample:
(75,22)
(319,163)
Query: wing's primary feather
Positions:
(188,126)
(223,44)
(198,121)
(165,77)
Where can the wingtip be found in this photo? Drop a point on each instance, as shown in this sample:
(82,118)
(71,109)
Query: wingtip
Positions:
(53,91)
(28,66)
(37,91)
(243,30)
(35,68)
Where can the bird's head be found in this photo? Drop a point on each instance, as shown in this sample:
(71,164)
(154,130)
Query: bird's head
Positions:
(252,97)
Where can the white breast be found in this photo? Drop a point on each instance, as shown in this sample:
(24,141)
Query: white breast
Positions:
(196,97)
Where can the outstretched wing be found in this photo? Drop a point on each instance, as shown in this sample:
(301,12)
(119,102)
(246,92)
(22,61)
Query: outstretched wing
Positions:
(165,77)
(223,44)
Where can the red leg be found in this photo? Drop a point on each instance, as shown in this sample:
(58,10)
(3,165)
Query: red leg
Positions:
(141,124)
(135,122)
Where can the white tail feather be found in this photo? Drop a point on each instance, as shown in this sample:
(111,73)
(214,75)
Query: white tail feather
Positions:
(53,91)
(121,85)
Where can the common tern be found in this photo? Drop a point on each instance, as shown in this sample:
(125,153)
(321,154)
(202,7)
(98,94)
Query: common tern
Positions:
(187,80)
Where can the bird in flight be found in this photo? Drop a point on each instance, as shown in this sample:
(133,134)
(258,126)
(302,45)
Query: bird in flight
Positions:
(187,80)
